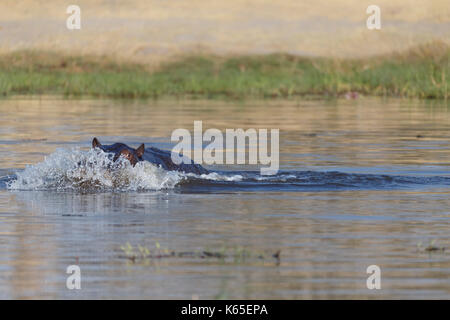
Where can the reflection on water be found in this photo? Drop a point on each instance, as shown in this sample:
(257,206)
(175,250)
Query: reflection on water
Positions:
(327,236)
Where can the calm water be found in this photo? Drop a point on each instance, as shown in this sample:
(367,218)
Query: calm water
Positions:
(362,182)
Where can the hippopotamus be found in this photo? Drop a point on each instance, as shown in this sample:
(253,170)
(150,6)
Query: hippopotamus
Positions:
(153,155)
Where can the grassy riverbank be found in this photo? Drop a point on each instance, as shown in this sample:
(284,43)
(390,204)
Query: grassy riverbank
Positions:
(422,72)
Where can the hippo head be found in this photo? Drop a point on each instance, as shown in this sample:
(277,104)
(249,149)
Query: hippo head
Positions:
(122,150)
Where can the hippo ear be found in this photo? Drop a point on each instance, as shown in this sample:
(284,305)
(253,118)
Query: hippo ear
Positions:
(96,143)
(140,151)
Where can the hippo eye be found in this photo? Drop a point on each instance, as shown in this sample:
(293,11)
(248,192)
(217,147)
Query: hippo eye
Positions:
(125,154)
(128,155)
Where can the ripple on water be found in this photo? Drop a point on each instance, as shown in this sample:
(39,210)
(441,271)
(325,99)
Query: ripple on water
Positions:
(94,170)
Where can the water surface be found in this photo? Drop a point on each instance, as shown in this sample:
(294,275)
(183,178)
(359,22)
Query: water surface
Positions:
(361,182)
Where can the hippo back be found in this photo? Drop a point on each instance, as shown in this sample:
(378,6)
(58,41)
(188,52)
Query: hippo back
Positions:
(164,159)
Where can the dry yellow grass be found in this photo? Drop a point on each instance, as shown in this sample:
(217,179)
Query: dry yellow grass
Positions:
(154,30)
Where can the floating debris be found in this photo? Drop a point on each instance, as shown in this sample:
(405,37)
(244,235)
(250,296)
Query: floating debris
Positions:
(239,254)
(431,247)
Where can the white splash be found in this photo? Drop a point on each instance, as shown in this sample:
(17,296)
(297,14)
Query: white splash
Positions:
(92,170)
(216,176)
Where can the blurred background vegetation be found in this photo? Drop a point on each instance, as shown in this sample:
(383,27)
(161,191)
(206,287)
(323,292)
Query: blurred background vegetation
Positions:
(235,49)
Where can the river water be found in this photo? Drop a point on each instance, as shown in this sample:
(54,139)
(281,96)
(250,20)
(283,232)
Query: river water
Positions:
(362,182)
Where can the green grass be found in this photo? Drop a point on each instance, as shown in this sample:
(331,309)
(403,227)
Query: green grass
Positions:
(422,72)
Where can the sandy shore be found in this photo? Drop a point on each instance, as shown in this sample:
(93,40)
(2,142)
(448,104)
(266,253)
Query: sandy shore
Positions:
(149,31)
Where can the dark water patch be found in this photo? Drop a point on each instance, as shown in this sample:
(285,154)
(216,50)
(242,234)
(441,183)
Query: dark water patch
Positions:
(239,181)
(309,181)
(5,179)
